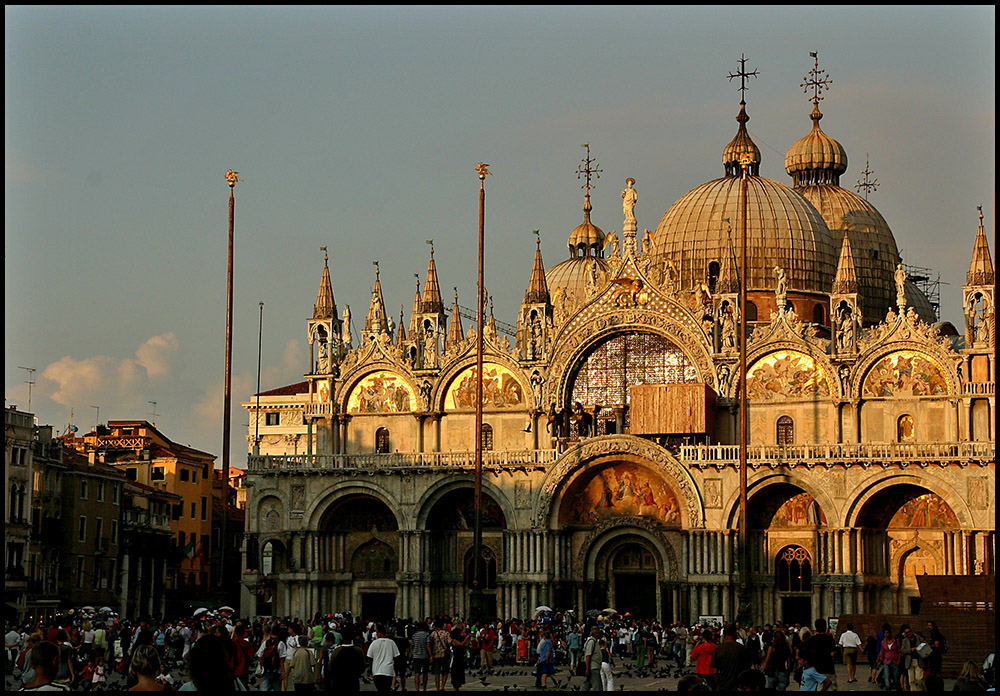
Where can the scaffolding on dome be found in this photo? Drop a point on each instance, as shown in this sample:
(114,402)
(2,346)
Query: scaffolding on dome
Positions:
(929,282)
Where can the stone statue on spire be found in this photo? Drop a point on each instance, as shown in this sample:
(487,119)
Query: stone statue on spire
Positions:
(629,198)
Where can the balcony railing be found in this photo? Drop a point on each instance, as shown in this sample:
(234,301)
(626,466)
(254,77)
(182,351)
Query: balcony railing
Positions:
(864,454)
(978,388)
(318,408)
(142,518)
(397,460)
(697,456)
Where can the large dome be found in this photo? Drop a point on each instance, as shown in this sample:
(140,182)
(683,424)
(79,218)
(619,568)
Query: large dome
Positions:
(783,229)
(875,252)
(571,275)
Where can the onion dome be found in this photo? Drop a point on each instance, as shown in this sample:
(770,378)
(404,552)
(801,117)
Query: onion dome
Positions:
(916,299)
(571,275)
(740,146)
(783,229)
(586,237)
(817,158)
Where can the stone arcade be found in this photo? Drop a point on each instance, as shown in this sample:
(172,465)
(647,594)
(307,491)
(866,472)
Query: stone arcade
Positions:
(610,426)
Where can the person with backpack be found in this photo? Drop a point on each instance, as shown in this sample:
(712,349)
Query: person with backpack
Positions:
(592,661)
(301,669)
(440,659)
(939,646)
(271,655)
(244,655)
(346,664)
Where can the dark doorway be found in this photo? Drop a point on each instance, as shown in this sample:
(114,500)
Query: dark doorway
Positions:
(796,609)
(915,605)
(378,606)
(636,593)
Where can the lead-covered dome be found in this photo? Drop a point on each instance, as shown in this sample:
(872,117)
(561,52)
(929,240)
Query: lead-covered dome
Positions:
(783,229)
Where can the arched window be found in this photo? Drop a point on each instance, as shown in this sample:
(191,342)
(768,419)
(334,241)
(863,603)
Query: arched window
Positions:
(713,275)
(819,315)
(794,571)
(487,437)
(375,559)
(487,568)
(905,428)
(786,431)
(751,311)
(382,441)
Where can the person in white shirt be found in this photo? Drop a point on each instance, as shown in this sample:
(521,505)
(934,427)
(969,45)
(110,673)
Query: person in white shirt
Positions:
(382,652)
(850,642)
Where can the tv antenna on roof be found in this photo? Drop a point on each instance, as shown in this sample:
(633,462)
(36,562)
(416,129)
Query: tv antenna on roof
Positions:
(30,381)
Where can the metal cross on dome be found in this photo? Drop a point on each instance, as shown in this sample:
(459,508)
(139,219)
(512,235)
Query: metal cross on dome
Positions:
(743,75)
(867,182)
(817,80)
(586,170)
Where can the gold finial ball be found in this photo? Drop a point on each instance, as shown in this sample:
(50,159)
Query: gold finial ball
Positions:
(482,169)
(232,177)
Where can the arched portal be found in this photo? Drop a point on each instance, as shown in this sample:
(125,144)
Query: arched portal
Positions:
(605,374)
(906,531)
(630,569)
(451,526)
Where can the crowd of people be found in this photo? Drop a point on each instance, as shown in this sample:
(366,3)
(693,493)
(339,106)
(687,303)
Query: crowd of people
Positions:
(339,652)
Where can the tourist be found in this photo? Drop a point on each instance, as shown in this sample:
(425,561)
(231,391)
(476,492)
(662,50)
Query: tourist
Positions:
(271,656)
(346,665)
(419,647)
(440,658)
(546,660)
(301,667)
(850,642)
(574,644)
(487,645)
(729,659)
(777,662)
(607,662)
(210,662)
(591,655)
(970,678)
(889,658)
(459,647)
(822,649)
(403,645)
(45,659)
(702,656)
(382,652)
(145,667)
(65,674)
(812,679)
(939,646)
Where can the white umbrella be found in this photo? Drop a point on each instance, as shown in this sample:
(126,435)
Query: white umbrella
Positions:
(90,609)
(609,610)
(542,608)
(229,609)
(105,610)
(199,611)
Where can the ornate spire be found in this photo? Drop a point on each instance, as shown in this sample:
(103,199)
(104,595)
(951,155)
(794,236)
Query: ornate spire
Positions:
(401,332)
(431,302)
(325,307)
(414,314)
(455,334)
(981,267)
(377,320)
(742,144)
(816,158)
(538,289)
(587,237)
(846,280)
(729,280)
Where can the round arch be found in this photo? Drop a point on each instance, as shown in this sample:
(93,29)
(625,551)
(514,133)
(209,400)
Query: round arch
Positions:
(864,492)
(604,541)
(609,448)
(571,356)
(455,370)
(333,493)
(350,386)
(432,495)
(764,481)
(936,357)
(790,350)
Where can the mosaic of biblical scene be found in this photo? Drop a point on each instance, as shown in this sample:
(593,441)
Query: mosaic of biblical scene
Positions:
(905,373)
(500,389)
(456,511)
(622,489)
(381,392)
(786,374)
(927,510)
(798,511)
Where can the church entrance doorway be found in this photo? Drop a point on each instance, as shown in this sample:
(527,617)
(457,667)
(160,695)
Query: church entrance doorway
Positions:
(378,606)
(796,609)
(634,572)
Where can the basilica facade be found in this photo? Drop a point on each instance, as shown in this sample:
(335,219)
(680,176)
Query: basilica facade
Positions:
(610,423)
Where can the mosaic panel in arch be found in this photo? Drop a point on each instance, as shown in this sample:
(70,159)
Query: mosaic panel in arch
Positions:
(905,373)
(786,374)
(928,510)
(800,510)
(621,489)
(381,392)
(501,389)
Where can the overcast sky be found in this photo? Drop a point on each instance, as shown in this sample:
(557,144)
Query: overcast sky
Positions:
(359,128)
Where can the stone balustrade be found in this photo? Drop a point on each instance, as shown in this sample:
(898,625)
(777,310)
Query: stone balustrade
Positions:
(399,460)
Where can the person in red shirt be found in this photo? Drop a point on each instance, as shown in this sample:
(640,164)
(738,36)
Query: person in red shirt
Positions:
(487,644)
(244,655)
(702,656)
